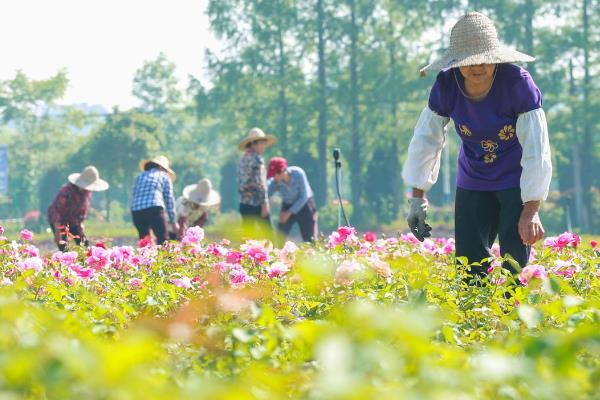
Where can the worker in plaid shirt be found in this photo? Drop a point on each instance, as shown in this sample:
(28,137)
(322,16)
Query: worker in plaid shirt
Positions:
(70,207)
(152,195)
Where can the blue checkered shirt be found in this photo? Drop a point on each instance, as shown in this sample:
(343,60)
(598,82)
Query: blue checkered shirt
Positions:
(153,189)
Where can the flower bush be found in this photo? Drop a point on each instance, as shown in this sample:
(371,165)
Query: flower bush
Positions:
(350,317)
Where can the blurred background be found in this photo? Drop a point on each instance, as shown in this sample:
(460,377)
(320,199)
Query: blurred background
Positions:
(109,83)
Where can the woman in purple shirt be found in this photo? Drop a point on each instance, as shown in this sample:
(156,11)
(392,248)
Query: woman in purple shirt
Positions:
(504,166)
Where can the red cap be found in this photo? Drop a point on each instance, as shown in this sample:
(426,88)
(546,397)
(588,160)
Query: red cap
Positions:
(276,165)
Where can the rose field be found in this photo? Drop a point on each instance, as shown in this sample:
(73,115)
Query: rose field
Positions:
(354,316)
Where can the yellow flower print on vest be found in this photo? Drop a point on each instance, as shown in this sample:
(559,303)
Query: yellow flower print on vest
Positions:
(489,158)
(489,145)
(464,130)
(507,132)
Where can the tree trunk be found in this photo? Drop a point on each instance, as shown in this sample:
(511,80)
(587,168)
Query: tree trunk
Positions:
(321,195)
(529,13)
(283,102)
(355,165)
(397,183)
(581,215)
(586,156)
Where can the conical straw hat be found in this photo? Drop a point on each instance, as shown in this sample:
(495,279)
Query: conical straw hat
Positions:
(89,179)
(474,41)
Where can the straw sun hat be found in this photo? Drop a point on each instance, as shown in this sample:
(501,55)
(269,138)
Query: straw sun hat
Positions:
(202,194)
(254,135)
(161,161)
(89,179)
(474,41)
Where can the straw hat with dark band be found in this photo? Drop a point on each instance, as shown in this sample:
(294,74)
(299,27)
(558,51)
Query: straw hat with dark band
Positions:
(89,179)
(474,41)
(254,135)
(161,161)
(202,194)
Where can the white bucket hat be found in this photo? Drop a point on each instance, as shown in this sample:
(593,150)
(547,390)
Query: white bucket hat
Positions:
(161,161)
(474,41)
(89,179)
(202,194)
(254,135)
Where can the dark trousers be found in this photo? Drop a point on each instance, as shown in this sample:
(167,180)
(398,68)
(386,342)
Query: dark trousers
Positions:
(152,218)
(306,218)
(252,213)
(480,217)
(73,230)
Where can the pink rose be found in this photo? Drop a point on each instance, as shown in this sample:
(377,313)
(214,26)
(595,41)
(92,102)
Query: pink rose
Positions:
(370,236)
(238,275)
(234,257)
(193,235)
(530,272)
(26,234)
(34,263)
(277,269)
(257,254)
(184,282)
(135,283)
(66,258)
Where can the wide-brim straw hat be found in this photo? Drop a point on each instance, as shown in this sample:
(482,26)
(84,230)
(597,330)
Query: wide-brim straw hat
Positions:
(254,135)
(161,161)
(202,194)
(474,41)
(89,179)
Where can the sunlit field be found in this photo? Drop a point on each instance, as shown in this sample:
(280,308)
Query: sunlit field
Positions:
(354,316)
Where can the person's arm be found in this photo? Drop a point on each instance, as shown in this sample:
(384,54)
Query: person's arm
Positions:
(422,165)
(169,198)
(272,187)
(303,193)
(532,132)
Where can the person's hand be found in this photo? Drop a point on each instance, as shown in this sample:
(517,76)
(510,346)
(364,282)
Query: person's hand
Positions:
(57,234)
(416,218)
(284,216)
(173,227)
(264,210)
(530,226)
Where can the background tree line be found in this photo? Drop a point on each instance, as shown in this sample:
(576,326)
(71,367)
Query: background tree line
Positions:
(318,74)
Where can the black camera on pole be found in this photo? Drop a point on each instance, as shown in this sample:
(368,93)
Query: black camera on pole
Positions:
(338,172)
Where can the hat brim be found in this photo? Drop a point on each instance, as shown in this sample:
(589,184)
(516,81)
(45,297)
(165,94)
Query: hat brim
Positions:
(169,170)
(213,198)
(98,185)
(271,140)
(500,55)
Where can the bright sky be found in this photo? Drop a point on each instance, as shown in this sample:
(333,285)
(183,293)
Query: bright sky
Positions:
(101,43)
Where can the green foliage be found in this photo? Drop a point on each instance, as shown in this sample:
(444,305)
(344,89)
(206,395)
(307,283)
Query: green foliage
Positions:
(417,332)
